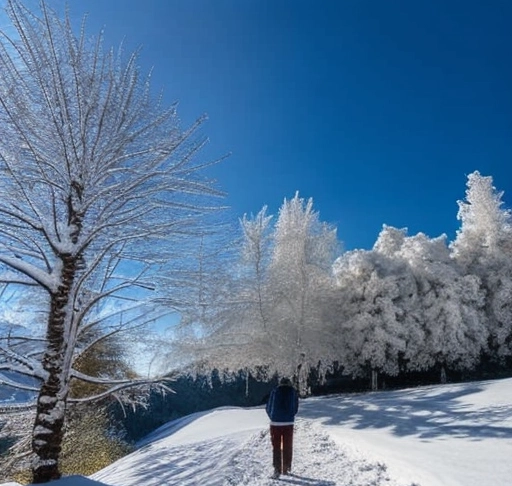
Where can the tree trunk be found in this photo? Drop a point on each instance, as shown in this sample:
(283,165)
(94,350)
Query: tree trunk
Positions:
(51,403)
(302,376)
(443,375)
(375,384)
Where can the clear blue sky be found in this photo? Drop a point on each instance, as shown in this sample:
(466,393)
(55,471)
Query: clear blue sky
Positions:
(376,109)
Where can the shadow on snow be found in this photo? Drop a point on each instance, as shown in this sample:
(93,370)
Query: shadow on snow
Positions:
(428,412)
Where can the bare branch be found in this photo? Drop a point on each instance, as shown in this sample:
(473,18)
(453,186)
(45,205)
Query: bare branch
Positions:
(115,389)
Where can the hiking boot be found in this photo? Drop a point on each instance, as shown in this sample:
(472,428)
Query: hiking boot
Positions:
(275,475)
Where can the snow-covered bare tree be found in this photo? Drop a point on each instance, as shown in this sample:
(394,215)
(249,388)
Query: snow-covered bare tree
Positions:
(271,319)
(256,257)
(244,323)
(483,248)
(97,177)
(300,272)
(241,322)
(231,330)
(200,293)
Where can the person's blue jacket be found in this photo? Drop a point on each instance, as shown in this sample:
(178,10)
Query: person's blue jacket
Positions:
(283,404)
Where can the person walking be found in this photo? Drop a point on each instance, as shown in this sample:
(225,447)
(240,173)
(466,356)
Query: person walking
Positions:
(282,406)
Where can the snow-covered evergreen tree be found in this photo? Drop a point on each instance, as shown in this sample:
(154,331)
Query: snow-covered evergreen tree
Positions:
(483,248)
(485,224)
(450,308)
(406,305)
(376,291)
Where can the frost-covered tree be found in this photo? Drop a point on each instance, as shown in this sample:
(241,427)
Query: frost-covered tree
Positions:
(244,317)
(272,320)
(94,173)
(485,225)
(256,247)
(450,308)
(483,248)
(300,272)
(201,293)
(406,305)
(377,294)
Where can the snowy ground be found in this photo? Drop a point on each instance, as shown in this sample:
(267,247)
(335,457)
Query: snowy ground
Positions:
(453,435)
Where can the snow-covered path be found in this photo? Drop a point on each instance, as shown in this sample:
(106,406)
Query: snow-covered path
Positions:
(318,461)
(243,459)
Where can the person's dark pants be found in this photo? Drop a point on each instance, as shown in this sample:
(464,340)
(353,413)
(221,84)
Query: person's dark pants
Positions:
(282,447)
